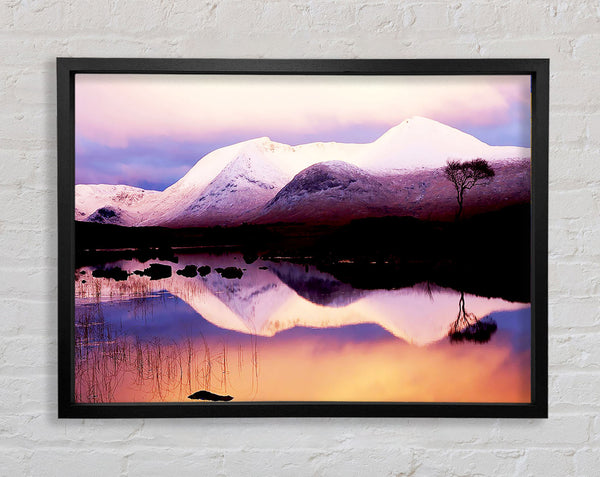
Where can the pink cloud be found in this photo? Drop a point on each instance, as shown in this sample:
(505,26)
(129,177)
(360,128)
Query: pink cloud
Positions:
(114,109)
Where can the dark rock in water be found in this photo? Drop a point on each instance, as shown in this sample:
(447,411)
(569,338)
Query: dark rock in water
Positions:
(203,270)
(82,272)
(155,271)
(263,268)
(166,254)
(145,254)
(189,271)
(82,281)
(230,272)
(208,396)
(116,273)
(250,257)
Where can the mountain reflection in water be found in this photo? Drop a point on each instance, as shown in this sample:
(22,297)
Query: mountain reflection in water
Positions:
(288,332)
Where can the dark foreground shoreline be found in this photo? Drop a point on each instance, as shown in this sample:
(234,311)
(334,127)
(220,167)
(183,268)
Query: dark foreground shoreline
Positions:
(487,254)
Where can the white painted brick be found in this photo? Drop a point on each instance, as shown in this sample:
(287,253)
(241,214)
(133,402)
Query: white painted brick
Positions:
(574,166)
(14,311)
(548,462)
(24,123)
(564,88)
(120,47)
(558,49)
(593,130)
(575,351)
(15,461)
(591,241)
(574,17)
(595,440)
(44,15)
(471,17)
(407,46)
(270,15)
(568,127)
(35,87)
(202,13)
(432,16)
(6,15)
(87,462)
(587,461)
(19,395)
(361,461)
(580,279)
(138,16)
(18,168)
(564,241)
(573,312)
(106,432)
(332,16)
(294,462)
(25,353)
(573,204)
(585,50)
(144,462)
(90,15)
(380,18)
(576,388)
(321,462)
(571,430)
(33,283)
(468,462)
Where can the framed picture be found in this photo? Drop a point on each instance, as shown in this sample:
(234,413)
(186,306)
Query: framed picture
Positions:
(247,238)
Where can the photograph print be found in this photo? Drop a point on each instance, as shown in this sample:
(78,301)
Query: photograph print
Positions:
(302,238)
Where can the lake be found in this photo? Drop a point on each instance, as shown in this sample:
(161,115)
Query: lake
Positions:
(289,332)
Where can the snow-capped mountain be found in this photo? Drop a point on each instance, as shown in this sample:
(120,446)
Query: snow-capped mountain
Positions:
(236,194)
(328,191)
(331,192)
(261,181)
(429,144)
(107,203)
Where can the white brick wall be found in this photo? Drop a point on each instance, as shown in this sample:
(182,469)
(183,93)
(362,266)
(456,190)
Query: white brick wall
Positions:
(34,442)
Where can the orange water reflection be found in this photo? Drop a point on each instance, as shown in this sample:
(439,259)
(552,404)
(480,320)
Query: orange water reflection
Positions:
(381,345)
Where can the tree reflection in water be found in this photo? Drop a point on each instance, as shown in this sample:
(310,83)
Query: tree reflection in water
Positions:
(468,327)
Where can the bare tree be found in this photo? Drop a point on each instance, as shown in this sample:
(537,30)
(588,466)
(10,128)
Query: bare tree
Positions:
(465,175)
(468,327)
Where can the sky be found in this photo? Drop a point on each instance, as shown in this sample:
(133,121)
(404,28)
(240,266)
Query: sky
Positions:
(148,130)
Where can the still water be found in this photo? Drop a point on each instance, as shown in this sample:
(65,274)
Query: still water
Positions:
(288,332)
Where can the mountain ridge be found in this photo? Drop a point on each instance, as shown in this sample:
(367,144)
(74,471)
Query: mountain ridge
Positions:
(238,183)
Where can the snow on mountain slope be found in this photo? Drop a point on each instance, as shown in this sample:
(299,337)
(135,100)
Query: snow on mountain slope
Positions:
(237,194)
(258,161)
(229,185)
(419,143)
(254,158)
(91,197)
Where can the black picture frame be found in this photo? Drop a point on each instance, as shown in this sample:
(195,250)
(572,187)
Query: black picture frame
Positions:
(538,69)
